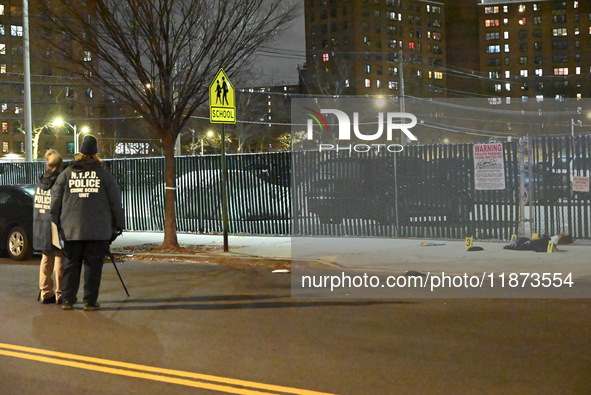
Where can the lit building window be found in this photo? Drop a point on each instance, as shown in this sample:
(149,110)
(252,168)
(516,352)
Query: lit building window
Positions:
(559,32)
(521,7)
(367,83)
(506,35)
(438,75)
(491,23)
(1,9)
(507,74)
(2,30)
(2,68)
(378,83)
(16,30)
(393,85)
(4,127)
(367,68)
(2,49)
(498,87)
(578,70)
(537,7)
(561,71)
(493,49)
(507,87)
(539,73)
(506,49)
(5,149)
(325,57)
(523,73)
(522,21)
(87,56)
(4,107)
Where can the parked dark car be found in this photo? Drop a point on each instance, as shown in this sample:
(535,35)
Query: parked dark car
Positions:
(545,186)
(384,191)
(16,220)
(198,196)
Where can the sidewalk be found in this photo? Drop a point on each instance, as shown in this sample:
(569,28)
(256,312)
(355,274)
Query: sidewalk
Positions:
(393,255)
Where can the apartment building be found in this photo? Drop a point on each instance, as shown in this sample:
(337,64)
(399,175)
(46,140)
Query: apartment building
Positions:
(536,48)
(57,91)
(448,48)
(374,47)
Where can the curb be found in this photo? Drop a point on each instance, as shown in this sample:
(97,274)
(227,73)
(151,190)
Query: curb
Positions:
(227,259)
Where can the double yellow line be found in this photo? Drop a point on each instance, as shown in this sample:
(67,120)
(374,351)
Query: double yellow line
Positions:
(189,379)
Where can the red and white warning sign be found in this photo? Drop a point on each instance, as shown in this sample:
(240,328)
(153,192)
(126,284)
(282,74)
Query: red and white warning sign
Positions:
(489,167)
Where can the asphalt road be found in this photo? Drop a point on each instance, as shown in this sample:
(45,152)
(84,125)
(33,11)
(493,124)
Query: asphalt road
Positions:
(241,324)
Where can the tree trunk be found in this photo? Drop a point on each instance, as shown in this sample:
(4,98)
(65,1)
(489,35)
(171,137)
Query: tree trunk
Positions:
(170,237)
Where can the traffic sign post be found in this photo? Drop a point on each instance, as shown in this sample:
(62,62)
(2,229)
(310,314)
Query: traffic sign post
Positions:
(222,109)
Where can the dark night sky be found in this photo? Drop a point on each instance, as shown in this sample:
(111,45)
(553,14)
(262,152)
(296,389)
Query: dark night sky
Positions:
(277,63)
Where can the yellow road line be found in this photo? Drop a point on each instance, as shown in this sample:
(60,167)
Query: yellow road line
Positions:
(88,363)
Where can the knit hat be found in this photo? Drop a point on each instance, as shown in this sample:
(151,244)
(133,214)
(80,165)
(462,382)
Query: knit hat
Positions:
(53,158)
(89,145)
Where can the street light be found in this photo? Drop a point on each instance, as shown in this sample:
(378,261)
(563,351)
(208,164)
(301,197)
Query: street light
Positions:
(59,122)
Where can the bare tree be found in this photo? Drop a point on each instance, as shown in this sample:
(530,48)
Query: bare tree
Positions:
(159,56)
(327,78)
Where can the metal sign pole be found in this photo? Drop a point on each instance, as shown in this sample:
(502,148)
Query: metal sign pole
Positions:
(222,109)
(224,188)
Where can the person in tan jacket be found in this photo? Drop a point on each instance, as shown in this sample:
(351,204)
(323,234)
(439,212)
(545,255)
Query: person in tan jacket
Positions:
(51,258)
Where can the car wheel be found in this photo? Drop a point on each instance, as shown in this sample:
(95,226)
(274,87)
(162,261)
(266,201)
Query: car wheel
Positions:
(461,209)
(387,217)
(18,244)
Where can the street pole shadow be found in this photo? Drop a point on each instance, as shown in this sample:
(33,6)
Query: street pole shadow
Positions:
(235,302)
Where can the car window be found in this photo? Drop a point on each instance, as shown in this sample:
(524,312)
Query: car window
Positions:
(5,197)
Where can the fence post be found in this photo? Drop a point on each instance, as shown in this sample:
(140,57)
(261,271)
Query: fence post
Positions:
(522,192)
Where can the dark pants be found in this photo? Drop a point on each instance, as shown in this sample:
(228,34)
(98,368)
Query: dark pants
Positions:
(92,254)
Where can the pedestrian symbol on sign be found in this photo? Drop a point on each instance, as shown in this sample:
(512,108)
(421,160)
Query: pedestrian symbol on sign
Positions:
(221,99)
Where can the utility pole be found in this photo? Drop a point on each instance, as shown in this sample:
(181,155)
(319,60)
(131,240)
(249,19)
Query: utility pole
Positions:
(27,83)
(403,138)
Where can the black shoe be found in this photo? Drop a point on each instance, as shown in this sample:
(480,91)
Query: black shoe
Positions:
(58,301)
(49,300)
(92,306)
(67,306)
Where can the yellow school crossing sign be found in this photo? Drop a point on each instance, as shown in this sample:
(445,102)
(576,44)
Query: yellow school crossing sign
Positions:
(222,102)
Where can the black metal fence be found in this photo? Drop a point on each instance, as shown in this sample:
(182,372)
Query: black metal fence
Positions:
(423,191)
(561,168)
